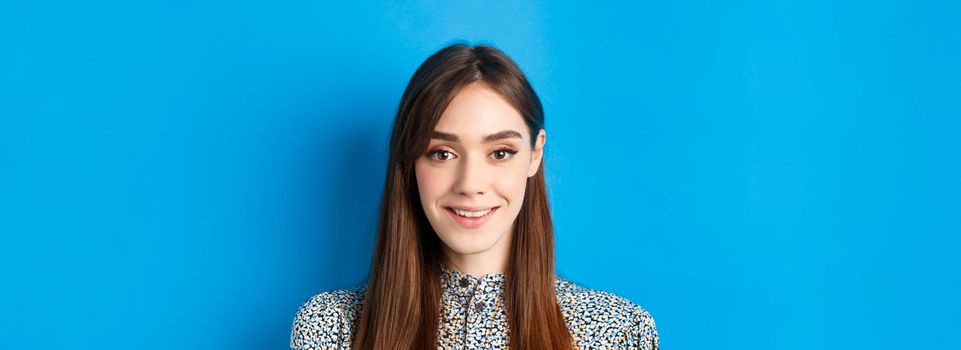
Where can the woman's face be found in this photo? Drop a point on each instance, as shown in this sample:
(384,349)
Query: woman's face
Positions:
(473,176)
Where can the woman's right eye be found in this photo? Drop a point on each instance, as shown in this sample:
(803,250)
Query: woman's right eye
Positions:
(440,154)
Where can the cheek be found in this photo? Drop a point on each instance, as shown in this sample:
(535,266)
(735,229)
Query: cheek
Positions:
(513,183)
(430,183)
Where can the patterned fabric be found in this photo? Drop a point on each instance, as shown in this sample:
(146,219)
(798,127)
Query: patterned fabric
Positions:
(474,316)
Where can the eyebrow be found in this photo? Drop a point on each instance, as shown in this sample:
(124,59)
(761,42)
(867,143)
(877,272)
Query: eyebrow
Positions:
(506,134)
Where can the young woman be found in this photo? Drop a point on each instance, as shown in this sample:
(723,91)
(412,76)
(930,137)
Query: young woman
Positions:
(464,257)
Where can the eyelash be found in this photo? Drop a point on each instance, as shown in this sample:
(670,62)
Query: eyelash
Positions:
(510,153)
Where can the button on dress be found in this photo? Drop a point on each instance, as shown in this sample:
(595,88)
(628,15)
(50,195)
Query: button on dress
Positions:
(473,316)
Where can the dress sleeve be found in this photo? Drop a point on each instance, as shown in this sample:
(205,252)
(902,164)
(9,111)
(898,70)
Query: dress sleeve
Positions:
(643,332)
(318,324)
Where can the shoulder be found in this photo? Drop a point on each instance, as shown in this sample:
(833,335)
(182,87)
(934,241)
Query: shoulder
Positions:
(601,319)
(327,319)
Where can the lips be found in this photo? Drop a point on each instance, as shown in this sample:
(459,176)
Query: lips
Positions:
(468,208)
(473,217)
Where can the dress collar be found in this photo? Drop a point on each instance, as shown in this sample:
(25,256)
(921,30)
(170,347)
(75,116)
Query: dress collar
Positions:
(462,284)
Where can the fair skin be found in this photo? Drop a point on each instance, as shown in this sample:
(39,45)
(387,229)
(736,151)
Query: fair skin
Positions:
(479,158)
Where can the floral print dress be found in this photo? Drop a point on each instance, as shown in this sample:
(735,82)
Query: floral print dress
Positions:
(474,316)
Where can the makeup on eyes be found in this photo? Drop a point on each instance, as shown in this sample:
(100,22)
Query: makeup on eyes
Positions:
(510,151)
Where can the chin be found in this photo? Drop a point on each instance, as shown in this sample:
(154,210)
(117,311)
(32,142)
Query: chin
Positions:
(469,242)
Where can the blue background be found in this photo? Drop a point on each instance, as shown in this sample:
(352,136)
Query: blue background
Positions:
(758,175)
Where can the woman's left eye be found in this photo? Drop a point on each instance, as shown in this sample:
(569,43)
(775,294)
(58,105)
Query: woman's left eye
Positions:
(504,153)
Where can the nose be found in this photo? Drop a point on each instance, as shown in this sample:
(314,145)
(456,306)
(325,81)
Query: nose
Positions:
(472,178)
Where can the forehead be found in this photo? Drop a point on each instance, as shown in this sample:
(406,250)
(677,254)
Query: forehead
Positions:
(477,111)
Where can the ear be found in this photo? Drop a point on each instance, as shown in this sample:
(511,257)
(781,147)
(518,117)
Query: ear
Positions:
(537,154)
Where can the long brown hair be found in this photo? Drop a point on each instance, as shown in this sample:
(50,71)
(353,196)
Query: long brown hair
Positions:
(403,299)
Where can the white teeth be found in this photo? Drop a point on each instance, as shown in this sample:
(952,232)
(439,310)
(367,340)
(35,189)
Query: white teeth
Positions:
(472,214)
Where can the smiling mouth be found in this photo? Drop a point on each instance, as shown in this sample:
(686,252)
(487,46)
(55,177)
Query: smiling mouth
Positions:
(471,214)
(470,219)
